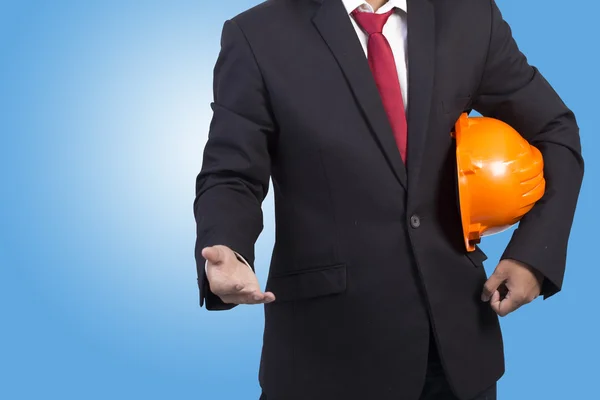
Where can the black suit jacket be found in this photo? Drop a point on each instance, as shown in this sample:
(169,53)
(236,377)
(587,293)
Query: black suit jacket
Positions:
(369,252)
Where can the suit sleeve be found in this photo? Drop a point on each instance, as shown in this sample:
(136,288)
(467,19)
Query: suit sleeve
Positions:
(234,178)
(515,92)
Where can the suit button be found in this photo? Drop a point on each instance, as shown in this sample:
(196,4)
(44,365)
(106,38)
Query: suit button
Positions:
(415,221)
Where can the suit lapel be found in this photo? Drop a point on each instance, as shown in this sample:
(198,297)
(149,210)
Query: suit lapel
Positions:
(421,57)
(333,23)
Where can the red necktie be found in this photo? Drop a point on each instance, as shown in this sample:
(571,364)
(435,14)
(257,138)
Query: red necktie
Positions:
(383,66)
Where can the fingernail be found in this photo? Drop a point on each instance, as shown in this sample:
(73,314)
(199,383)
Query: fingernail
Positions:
(257,297)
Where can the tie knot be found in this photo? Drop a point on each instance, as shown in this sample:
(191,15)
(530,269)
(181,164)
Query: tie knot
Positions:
(371,22)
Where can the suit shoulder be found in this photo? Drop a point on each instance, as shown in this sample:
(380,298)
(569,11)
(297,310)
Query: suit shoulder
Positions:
(266,10)
(274,17)
(476,14)
(469,7)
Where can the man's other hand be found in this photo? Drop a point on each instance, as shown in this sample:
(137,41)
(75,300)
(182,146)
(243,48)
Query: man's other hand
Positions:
(512,285)
(230,279)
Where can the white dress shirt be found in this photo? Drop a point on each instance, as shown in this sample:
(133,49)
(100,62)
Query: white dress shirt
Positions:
(395,31)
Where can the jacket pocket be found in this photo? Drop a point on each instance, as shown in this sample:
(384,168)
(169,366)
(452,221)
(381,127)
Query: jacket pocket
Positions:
(309,283)
(477,257)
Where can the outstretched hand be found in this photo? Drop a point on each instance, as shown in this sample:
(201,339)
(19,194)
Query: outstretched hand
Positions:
(232,280)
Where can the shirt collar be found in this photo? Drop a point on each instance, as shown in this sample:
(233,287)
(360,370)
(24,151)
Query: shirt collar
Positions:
(352,5)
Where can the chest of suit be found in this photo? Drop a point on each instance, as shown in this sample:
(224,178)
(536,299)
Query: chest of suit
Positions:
(330,116)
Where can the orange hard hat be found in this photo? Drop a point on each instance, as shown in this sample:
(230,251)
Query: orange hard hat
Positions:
(500,176)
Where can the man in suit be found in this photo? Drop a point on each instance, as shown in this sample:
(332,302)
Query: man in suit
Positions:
(348,106)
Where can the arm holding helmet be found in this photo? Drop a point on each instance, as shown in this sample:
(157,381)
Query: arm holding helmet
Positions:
(515,92)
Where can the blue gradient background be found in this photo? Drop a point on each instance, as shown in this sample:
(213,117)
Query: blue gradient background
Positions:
(104,112)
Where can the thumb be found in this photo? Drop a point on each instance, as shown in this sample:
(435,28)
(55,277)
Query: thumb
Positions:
(213,254)
(492,285)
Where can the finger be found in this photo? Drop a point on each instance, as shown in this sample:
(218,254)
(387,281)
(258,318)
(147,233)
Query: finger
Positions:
(492,285)
(250,296)
(269,297)
(238,289)
(247,298)
(213,254)
(250,291)
(257,297)
(508,305)
(495,301)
